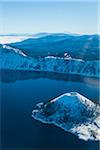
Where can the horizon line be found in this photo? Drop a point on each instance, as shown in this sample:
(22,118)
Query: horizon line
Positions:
(12,34)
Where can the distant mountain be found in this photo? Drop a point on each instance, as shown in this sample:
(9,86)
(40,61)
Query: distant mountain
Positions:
(84,47)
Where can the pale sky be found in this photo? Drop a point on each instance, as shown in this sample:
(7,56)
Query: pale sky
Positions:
(48,16)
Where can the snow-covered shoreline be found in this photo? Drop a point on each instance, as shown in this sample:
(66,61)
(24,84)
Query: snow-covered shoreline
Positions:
(72,112)
(14,59)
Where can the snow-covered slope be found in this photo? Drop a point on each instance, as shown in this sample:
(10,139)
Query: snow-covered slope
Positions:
(15,59)
(73,113)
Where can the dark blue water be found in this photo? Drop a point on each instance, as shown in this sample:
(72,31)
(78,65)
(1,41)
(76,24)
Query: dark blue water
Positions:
(20,131)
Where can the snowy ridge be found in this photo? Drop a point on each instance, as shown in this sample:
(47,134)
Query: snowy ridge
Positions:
(13,49)
(15,59)
(73,113)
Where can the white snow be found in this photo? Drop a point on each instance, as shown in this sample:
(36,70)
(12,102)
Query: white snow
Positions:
(15,59)
(72,112)
(14,49)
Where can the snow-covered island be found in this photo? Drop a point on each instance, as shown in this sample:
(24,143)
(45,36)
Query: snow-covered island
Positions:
(14,59)
(72,112)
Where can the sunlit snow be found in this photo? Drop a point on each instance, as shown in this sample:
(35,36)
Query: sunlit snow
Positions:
(72,112)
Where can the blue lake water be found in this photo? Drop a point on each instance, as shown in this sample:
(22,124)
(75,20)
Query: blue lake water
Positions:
(20,131)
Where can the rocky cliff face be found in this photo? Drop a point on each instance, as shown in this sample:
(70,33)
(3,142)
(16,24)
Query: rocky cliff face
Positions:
(15,59)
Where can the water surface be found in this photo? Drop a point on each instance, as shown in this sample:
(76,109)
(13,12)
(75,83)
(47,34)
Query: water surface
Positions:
(20,131)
